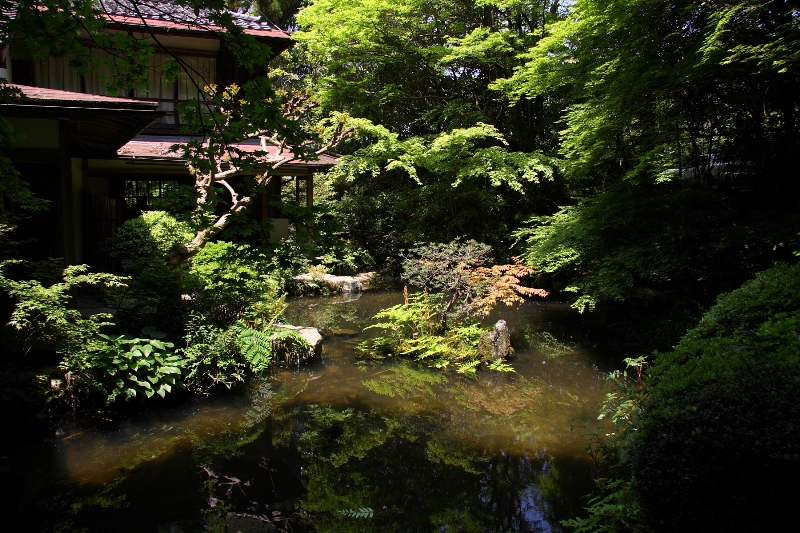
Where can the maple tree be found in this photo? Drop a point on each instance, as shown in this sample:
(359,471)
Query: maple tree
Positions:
(222,158)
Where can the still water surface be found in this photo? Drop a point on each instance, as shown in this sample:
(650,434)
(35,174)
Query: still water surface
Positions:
(344,444)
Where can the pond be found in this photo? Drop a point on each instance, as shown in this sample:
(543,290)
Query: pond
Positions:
(345,444)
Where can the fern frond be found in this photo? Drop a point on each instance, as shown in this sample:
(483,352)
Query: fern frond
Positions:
(362,512)
(469,367)
(500,366)
(256,347)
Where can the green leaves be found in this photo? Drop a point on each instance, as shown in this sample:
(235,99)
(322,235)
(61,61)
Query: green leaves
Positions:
(44,314)
(440,144)
(260,347)
(131,367)
(659,86)
(256,348)
(151,235)
(616,505)
(361,512)
(419,67)
(474,154)
(639,240)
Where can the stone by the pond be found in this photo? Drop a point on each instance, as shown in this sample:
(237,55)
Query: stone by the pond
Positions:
(495,344)
(312,337)
(344,284)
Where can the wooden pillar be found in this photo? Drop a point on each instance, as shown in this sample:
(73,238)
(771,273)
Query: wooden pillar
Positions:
(297,189)
(310,190)
(67,203)
(78,174)
(264,206)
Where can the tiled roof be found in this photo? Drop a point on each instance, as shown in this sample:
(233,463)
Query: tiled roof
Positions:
(167,14)
(97,125)
(55,97)
(158,147)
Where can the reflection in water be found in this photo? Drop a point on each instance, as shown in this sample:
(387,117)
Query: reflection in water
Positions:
(306,450)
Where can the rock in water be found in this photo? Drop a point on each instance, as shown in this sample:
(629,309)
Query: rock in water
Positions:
(312,336)
(495,344)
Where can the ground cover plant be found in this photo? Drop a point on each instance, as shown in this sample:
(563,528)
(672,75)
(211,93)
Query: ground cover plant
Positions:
(219,310)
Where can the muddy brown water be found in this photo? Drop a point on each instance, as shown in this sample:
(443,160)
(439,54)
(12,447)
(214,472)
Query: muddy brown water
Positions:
(350,444)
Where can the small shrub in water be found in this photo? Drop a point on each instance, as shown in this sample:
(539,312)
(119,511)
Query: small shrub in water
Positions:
(443,328)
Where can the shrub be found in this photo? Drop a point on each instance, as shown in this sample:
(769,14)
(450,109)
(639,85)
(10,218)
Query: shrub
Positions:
(718,444)
(348,259)
(43,314)
(153,295)
(114,366)
(287,260)
(443,327)
(213,356)
(223,355)
(128,366)
(459,270)
(416,329)
(220,282)
(225,279)
(153,233)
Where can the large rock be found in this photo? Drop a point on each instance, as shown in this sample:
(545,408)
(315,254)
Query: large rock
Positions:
(495,344)
(343,284)
(312,336)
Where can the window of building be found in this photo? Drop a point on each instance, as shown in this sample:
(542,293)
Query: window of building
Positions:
(198,70)
(144,194)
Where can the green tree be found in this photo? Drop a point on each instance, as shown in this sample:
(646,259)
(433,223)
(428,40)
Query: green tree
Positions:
(421,67)
(669,103)
(464,182)
(422,71)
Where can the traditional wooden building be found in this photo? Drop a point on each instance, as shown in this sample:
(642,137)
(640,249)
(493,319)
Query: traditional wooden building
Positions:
(103,158)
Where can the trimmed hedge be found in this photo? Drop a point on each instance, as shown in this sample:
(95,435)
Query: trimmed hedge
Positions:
(718,447)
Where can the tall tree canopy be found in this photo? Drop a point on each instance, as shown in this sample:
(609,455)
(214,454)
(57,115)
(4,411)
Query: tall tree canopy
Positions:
(680,135)
(419,67)
(451,157)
